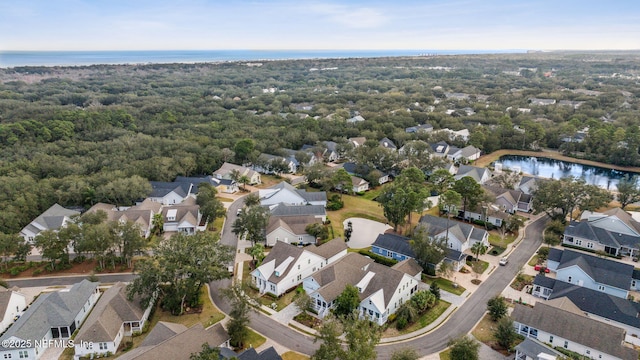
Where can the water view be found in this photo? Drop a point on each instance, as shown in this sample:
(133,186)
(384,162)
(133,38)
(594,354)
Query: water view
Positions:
(555,169)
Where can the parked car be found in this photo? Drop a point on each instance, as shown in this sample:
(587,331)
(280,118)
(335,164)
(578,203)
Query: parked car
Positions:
(541,268)
(239,211)
(503,261)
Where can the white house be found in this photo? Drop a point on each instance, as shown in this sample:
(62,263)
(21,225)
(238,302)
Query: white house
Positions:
(359,184)
(183,218)
(12,303)
(264,164)
(460,236)
(573,331)
(287,265)
(112,318)
(141,214)
(287,194)
(480,175)
(53,218)
(227,169)
(381,289)
(290,229)
(52,316)
(168,193)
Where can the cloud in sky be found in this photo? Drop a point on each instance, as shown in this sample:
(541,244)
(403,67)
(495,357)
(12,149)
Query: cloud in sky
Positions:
(318,24)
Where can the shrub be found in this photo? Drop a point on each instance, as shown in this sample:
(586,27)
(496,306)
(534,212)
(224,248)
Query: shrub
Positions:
(378,258)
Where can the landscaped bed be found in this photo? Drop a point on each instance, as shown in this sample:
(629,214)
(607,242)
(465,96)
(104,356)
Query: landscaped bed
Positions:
(423,321)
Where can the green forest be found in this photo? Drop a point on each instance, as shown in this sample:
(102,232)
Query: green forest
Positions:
(87,134)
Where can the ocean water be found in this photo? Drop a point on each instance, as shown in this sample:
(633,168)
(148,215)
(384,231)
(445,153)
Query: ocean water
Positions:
(81,58)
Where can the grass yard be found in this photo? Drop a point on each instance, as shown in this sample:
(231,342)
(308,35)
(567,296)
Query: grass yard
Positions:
(496,240)
(445,355)
(496,250)
(423,321)
(533,261)
(484,330)
(265,300)
(354,206)
(521,281)
(292,355)
(484,265)
(209,315)
(444,284)
(254,340)
(224,199)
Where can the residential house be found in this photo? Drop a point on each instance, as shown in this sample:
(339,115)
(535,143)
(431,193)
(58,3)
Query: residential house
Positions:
(440,149)
(227,169)
(53,218)
(596,273)
(419,128)
(357,141)
(572,331)
(480,175)
(596,304)
(140,215)
(363,171)
(167,193)
(399,248)
(263,164)
(52,316)
(381,289)
(528,184)
(387,144)
(355,119)
(470,153)
(456,96)
(532,349)
(12,303)
(332,153)
(287,194)
(318,154)
(290,229)
(614,232)
(574,104)
(491,214)
(287,265)
(227,186)
(359,184)
(284,210)
(510,200)
(541,102)
(183,218)
(460,236)
(176,342)
(113,317)
(459,134)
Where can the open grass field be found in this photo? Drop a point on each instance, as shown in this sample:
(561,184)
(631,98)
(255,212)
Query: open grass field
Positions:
(354,206)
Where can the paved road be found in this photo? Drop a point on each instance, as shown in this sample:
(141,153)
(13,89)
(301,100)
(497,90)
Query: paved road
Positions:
(461,322)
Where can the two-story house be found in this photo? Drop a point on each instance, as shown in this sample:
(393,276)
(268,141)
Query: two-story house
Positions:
(614,232)
(112,318)
(287,265)
(460,236)
(168,193)
(290,229)
(183,218)
(227,171)
(285,193)
(573,331)
(52,316)
(381,289)
(141,214)
(53,218)
(12,303)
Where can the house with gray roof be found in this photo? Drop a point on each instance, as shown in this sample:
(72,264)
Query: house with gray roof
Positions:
(176,342)
(113,317)
(381,289)
(596,273)
(53,218)
(167,193)
(528,184)
(387,144)
(12,303)
(460,236)
(290,229)
(614,232)
(264,164)
(532,349)
(596,304)
(399,248)
(419,128)
(52,316)
(287,194)
(227,186)
(140,214)
(480,175)
(573,331)
(287,265)
(363,171)
(510,200)
(284,210)
(227,170)
(269,353)
(183,218)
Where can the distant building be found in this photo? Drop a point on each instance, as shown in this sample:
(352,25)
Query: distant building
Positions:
(53,218)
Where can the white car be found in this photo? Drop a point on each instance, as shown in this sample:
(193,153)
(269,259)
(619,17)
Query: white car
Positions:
(503,261)
(239,211)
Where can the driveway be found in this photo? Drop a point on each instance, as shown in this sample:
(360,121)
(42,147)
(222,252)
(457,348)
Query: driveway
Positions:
(365,232)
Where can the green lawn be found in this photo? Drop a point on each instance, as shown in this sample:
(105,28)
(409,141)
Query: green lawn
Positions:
(533,261)
(485,265)
(428,317)
(254,340)
(444,284)
(445,355)
(496,251)
(354,206)
(292,355)
(496,240)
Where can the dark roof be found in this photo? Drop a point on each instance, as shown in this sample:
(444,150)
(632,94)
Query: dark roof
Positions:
(353,169)
(544,281)
(601,270)
(455,255)
(408,266)
(598,303)
(554,254)
(438,225)
(396,243)
(575,327)
(162,188)
(266,354)
(636,274)
(532,348)
(298,210)
(585,230)
(308,196)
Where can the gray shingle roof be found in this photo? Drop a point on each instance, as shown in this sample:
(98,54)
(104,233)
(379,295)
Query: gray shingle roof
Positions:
(603,271)
(544,281)
(464,231)
(266,354)
(298,210)
(329,249)
(49,310)
(396,243)
(294,224)
(280,252)
(586,230)
(532,348)
(162,188)
(577,328)
(554,254)
(107,316)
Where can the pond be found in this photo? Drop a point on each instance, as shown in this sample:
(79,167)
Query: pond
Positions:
(556,169)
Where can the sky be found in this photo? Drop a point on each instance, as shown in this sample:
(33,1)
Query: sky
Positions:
(319,25)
